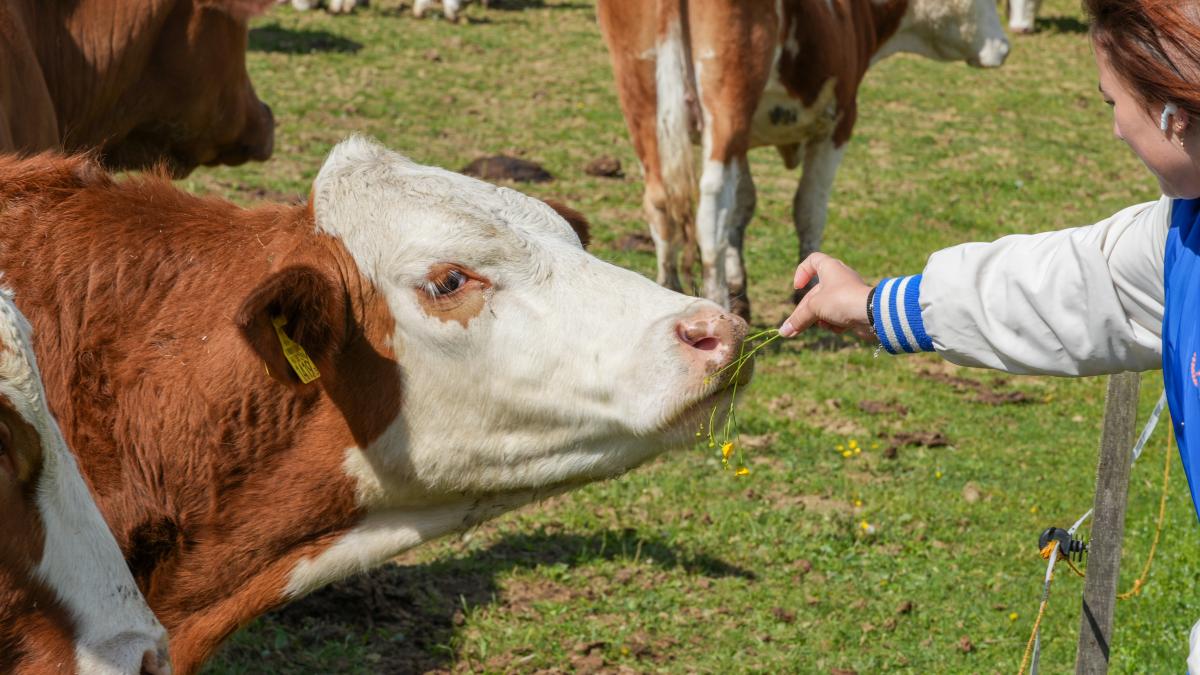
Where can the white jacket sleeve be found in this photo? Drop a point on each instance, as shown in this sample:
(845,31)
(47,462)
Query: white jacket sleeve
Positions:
(1082,301)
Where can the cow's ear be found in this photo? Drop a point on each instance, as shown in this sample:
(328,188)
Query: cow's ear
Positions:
(295,321)
(575,219)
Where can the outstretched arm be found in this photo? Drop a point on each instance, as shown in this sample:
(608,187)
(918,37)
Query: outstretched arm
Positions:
(1081,301)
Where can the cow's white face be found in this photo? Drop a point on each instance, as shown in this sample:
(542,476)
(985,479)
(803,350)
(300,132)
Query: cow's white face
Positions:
(952,30)
(526,362)
(114,630)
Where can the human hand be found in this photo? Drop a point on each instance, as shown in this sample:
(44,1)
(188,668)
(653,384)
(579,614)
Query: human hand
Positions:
(838,301)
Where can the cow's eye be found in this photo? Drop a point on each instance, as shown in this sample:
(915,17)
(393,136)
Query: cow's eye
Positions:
(447,283)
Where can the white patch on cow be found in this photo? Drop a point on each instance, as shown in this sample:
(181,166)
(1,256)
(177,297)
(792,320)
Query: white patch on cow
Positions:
(950,30)
(80,558)
(531,394)
(671,124)
(450,8)
(781,119)
(1022,15)
(718,201)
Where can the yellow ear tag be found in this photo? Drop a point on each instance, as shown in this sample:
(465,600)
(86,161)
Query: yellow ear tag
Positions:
(305,369)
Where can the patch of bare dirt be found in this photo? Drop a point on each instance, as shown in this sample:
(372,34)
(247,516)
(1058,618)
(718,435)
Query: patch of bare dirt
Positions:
(982,393)
(925,439)
(814,503)
(505,167)
(604,167)
(822,415)
(882,408)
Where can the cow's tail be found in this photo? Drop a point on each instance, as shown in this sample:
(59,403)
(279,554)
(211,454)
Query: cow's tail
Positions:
(673,125)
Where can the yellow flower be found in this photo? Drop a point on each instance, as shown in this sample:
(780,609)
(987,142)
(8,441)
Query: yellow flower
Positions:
(937,474)
(840,448)
(874,446)
(865,525)
(857,503)
(846,453)
(853,444)
(1012,616)
(858,451)
(742,472)
(726,450)
(1033,509)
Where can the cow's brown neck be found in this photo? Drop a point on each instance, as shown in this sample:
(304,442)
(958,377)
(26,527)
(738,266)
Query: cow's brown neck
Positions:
(214,477)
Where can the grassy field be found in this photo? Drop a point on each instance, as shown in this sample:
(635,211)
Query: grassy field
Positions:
(816,563)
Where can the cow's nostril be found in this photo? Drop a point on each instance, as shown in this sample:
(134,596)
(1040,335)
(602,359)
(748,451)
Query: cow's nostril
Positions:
(697,335)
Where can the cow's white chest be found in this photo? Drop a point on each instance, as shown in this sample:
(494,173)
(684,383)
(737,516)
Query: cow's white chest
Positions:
(781,119)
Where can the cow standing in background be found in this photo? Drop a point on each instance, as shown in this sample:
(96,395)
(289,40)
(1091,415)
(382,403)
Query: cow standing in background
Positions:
(142,83)
(455,376)
(68,603)
(739,74)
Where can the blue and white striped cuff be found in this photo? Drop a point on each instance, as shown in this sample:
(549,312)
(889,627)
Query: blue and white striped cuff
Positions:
(898,323)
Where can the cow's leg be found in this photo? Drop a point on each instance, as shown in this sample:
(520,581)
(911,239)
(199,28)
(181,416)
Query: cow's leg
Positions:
(667,198)
(450,9)
(810,205)
(735,265)
(303,5)
(665,230)
(733,48)
(420,6)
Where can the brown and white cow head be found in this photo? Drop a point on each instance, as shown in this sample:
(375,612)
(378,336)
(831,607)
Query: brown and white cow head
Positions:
(951,30)
(526,366)
(174,76)
(67,601)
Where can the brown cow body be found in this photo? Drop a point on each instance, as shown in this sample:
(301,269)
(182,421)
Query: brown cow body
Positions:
(740,74)
(230,486)
(162,81)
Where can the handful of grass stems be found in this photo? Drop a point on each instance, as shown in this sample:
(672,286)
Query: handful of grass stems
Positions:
(728,435)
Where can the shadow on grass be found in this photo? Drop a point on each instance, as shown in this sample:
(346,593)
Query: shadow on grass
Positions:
(1062,24)
(274,38)
(522,5)
(406,616)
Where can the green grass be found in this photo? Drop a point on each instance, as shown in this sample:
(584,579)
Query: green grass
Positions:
(679,567)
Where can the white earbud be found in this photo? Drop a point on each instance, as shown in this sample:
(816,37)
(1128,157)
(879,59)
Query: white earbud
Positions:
(1165,121)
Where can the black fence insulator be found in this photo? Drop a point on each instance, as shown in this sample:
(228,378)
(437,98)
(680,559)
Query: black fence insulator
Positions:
(1068,546)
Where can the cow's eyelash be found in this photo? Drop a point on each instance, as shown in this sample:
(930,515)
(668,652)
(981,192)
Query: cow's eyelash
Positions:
(448,284)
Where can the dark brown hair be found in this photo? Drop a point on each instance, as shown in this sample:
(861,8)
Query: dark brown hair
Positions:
(1154,46)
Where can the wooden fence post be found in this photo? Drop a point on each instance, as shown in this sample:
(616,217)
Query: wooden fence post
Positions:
(1108,525)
